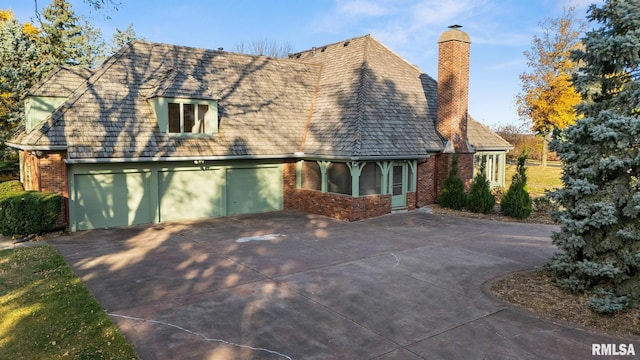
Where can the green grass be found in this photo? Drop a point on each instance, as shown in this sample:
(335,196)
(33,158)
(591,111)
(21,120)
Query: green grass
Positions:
(46,312)
(539,178)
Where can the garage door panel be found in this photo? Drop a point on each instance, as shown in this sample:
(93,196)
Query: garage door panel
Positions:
(190,194)
(254,190)
(108,200)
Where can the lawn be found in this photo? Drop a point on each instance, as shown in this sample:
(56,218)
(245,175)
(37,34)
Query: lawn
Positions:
(46,312)
(539,178)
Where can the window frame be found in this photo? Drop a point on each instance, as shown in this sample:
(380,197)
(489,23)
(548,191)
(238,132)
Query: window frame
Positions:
(161,109)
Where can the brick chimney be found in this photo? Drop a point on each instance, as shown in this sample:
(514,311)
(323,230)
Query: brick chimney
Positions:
(453,88)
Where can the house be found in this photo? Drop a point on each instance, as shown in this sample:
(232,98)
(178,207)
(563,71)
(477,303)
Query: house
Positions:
(162,132)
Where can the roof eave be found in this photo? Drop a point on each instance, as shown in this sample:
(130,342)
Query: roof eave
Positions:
(37,147)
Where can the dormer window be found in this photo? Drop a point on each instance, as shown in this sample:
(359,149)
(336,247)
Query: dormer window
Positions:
(184,105)
(188,118)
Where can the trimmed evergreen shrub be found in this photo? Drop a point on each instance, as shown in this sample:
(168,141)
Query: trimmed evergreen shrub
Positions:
(28,212)
(11,186)
(517,202)
(480,199)
(452,195)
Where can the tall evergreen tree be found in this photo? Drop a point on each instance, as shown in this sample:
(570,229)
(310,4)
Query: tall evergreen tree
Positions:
(20,68)
(65,40)
(122,38)
(600,200)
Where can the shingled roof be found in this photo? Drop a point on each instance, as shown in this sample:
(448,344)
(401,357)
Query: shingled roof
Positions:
(352,99)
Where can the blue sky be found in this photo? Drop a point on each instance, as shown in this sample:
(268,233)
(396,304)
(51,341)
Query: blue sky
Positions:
(500,31)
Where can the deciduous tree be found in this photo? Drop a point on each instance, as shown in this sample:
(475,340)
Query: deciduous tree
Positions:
(548,97)
(265,47)
(600,201)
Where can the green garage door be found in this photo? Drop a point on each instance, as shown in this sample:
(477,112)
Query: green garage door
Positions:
(108,200)
(254,190)
(190,194)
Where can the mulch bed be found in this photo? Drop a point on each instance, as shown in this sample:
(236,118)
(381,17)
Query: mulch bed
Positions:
(534,291)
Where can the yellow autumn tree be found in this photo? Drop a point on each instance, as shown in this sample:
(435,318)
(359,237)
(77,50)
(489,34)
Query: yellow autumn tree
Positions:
(548,97)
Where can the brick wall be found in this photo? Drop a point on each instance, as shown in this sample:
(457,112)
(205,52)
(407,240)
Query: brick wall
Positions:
(53,173)
(339,206)
(369,206)
(453,87)
(411,200)
(426,183)
(289,185)
(465,169)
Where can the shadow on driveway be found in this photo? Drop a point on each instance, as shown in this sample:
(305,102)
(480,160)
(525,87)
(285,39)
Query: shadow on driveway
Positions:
(289,285)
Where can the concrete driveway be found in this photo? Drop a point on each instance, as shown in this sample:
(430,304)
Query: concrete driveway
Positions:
(289,285)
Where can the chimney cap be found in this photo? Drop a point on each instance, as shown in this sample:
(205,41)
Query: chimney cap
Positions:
(454,34)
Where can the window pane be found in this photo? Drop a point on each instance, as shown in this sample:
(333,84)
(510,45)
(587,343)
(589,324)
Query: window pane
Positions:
(370,179)
(311,176)
(201,125)
(397,180)
(174,118)
(339,178)
(189,117)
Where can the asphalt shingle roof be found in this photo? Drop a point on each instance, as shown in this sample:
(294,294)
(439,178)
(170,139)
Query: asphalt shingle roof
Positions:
(355,99)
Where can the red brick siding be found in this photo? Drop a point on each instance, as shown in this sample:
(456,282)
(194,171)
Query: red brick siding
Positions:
(289,185)
(339,206)
(411,200)
(426,183)
(369,206)
(53,173)
(465,169)
(453,92)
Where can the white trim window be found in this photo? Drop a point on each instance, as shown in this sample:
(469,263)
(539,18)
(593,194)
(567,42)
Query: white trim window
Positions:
(188,118)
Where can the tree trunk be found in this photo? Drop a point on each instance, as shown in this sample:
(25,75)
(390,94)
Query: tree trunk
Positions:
(545,150)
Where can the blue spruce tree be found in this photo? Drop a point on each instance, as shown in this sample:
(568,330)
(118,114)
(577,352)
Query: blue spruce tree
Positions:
(600,200)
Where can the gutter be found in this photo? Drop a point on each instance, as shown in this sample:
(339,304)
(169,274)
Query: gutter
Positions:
(37,147)
(174,158)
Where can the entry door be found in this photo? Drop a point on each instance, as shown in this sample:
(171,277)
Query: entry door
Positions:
(398,186)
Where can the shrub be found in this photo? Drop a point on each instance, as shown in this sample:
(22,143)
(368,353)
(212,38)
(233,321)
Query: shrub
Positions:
(517,202)
(11,186)
(544,204)
(28,212)
(452,195)
(480,199)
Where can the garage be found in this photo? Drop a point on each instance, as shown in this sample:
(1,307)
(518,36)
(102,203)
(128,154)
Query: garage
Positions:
(190,194)
(252,190)
(108,200)
(102,197)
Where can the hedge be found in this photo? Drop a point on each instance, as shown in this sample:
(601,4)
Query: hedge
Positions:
(28,212)
(11,186)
